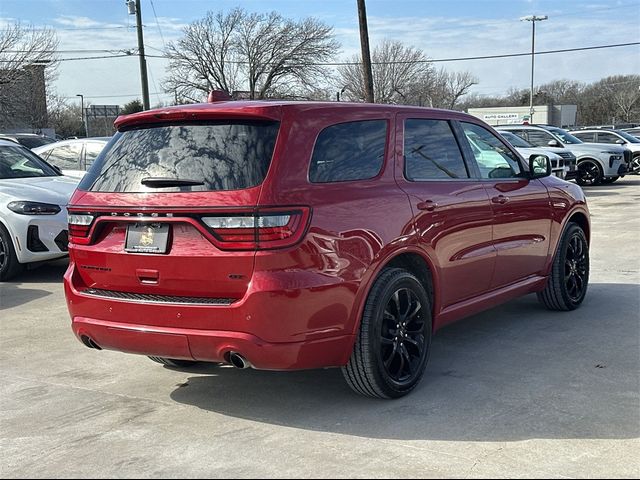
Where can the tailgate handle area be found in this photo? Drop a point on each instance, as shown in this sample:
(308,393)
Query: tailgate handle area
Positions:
(148,277)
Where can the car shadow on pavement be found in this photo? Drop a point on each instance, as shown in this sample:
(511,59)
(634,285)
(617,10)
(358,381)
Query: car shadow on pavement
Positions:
(513,373)
(16,292)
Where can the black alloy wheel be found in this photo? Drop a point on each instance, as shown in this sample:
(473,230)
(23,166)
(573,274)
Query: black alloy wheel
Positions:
(589,173)
(402,339)
(394,341)
(576,264)
(567,284)
(635,165)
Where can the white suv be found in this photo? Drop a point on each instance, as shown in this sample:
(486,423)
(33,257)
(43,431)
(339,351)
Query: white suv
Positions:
(597,162)
(617,137)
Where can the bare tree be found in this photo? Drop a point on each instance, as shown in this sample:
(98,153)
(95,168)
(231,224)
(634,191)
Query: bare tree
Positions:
(398,70)
(626,96)
(27,64)
(266,54)
(206,57)
(66,119)
(447,88)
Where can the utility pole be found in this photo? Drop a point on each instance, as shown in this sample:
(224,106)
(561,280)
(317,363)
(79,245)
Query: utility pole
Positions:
(533,19)
(134,8)
(366,54)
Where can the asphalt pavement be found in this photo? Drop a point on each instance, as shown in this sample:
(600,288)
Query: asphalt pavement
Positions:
(517,391)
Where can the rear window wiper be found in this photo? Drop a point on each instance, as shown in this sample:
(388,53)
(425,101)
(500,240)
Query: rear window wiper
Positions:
(165,182)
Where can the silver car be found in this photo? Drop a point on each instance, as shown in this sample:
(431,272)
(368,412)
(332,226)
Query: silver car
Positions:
(611,136)
(597,162)
(563,162)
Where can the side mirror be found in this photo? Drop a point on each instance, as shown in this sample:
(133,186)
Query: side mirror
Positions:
(539,166)
(620,142)
(554,143)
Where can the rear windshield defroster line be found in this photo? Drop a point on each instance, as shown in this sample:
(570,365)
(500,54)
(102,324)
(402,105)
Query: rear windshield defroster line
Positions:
(225,155)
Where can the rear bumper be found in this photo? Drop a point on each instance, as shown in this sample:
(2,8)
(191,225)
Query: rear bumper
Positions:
(272,329)
(213,346)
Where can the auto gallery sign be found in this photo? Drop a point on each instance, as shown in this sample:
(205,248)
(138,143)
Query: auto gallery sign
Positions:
(502,117)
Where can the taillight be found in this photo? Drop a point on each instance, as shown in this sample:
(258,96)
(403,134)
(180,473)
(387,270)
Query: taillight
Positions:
(79,226)
(262,230)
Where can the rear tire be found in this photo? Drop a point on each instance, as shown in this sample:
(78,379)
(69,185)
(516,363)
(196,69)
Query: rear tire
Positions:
(608,180)
(9,265)
(589,173)
(569,278)
(171,362)
(394,340)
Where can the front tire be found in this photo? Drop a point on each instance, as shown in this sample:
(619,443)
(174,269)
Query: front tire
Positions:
(635,165)
(569,278)
(9,265)
(589,173)
(174,363)
(394,340)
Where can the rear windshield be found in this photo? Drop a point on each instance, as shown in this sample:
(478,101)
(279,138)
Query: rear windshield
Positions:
(230,155)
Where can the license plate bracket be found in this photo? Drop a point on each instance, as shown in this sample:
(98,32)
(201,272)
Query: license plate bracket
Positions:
(147,238)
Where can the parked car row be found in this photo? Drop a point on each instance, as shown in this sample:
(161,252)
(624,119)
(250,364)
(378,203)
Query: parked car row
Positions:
(596,162)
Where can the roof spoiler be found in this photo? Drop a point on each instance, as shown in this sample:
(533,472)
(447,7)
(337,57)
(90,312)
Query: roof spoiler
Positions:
(218,96)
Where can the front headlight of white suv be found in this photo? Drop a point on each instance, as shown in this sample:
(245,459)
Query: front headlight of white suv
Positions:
(33,208)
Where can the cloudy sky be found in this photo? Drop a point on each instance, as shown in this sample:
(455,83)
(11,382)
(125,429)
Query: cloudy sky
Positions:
(443,29)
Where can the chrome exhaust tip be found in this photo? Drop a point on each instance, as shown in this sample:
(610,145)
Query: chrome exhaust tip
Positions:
(239,361)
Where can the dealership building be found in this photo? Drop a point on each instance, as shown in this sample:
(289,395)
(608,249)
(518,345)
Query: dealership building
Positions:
(558,115)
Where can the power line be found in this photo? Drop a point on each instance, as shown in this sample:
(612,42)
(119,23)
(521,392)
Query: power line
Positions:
(132,53)
(456,59)
(153,7)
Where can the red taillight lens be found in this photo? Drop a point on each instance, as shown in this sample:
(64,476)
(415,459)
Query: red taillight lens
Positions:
(262,230)
(79,227)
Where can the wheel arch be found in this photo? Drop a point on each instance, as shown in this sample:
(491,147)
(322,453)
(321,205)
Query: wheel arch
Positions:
(582,220)
(591,158)
(411,259)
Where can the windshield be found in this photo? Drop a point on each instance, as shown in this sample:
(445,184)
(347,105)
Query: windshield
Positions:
(628,137)
(565,136)
(225,155)
(18,162)
(515,140)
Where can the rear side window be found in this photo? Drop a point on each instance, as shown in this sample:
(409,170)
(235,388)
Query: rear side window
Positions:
(223,155)
(431,151)
(349,151)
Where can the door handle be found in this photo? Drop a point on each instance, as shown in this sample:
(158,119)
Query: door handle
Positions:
(427,205)
(501,199)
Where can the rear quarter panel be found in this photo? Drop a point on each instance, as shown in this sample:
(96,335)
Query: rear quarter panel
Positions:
(354,225)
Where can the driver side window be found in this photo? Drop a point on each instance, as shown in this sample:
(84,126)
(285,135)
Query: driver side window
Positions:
(493,157)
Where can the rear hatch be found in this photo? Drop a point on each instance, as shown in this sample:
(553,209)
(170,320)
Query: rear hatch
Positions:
(169,211)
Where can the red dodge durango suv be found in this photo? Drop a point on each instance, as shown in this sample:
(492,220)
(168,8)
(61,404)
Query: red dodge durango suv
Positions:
(291,235)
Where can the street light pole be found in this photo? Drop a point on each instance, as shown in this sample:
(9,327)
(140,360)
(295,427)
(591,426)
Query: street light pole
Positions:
(134,8)
(533,19)
(84,123)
